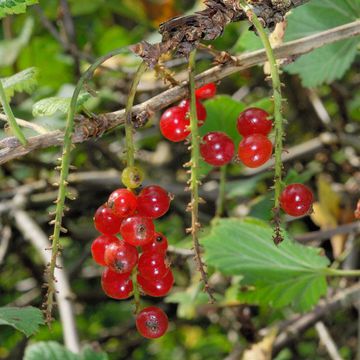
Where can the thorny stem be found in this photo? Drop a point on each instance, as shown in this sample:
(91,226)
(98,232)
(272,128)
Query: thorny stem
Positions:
(194,179)
(62,190)
(14,126)
(278,118)
(221,196)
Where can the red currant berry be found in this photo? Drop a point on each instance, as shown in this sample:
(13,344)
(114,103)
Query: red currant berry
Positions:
(98,247)
(152,266)
(137,230)
(115,285)
(156,288)
(254,121)
(152,322)
(159,245)
(174,125)
(153,201)
(132,177)
(106,221)
(122,202)
(120,256)
(200,110)
(206,92)
(217,148)
(255,150)
(296,199)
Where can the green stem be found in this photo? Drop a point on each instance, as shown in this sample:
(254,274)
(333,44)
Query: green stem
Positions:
(64,172)
(221,196)
(278,118)
(130,148)
(136,291)
(337,272)
(14,126)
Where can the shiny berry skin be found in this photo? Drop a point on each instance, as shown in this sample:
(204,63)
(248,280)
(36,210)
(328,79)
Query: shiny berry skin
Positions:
(159,245)
(156,288)
(132,177)
(200,110)
(152,322)
(217,148)
(174,125)
(296,199)
(120,256)
(115,285)
(255,150)
(152,266)
(137,230)
(254,121)
(153,201)
(206,92)
(122,202)
(106,221)
(98,247)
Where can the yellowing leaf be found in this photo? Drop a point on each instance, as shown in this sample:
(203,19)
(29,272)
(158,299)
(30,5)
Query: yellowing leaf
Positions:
(263,349)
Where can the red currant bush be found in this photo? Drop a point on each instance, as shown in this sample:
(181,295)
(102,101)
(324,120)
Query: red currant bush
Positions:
(153,202)
(122,202)
(174,125)
(106,221)
(206,92)
(254,121)
(156,288)
(137,230)
(115,285)
(200,110)
(98,247)
(255,150)
(152,266)
(120,256)
(152,322)
(159,245)
(217,148)
(296,199)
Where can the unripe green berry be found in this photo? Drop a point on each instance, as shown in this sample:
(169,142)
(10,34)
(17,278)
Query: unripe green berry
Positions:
(132,177)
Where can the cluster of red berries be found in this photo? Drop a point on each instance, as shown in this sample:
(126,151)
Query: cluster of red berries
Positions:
(139,251)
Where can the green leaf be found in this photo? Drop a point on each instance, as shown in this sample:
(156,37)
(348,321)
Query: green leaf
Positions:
(26,319)
(88,353)
(330,62)
(25,80)
(51,105)
(244,187)
(14,6)
(287,274)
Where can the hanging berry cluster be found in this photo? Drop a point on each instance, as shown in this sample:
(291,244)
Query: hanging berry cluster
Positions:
(133,253)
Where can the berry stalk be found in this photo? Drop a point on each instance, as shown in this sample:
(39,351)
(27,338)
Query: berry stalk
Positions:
(278,118)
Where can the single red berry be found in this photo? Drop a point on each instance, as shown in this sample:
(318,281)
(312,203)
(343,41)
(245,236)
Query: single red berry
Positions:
(120,256)
(98,247)
(152,322)
(122,202)
(200,110)
(254,121)
(255,150)
(174,125)
(153,201)
(115,285)
(296,199)
(152,266)
(137,230)
(206,92)
(106,221)
(217,148)
(159,245)
(156,288)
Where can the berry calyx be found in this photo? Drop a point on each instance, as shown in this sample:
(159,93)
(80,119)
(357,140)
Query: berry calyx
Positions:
(296,199)
(174,125)
(200,110)
(120,256)
(254,121)
(106,221)
(255,150)
(122,202)
(98,247)
(156,288)
(153,201)
(159,245)
(132,177)
(206,92)
(217,148)
(137,230)
(115,285)
(152,266)
(152,322)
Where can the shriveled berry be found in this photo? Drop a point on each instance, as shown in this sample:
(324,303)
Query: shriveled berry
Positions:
(98,247)
(255,150)
(174,125)
(159,245)
(120,256)
(122,202)
(217,148)
(206,92)
(200,110)
(296,199)
(106,221)
(153,201)
(152,266)
(115,285)
(156,288)
(254,121)
(132,177)
(152,322)
(137,230)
